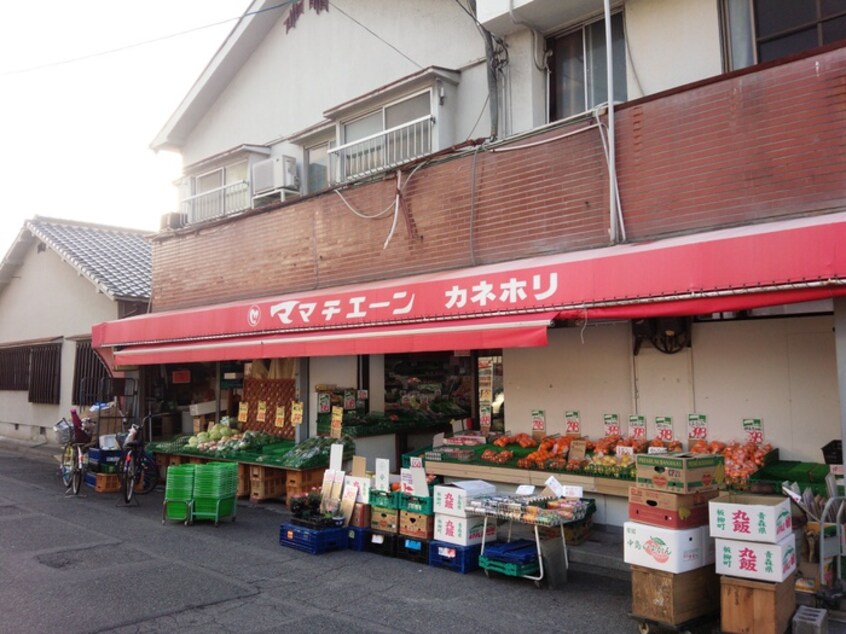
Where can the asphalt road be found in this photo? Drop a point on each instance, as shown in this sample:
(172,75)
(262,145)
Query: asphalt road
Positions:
(85,564)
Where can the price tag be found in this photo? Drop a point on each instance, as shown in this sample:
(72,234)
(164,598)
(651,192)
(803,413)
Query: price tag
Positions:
(280,416)
(664,425)
(637,427)
(538,420)
(337,422)
(612,424)
(624,451)
(297,413)
(697,426)
(361,395)
(349,399)
(572,423)
(243,410)
(657,450)
(578,448)
(262,411)
(324,402)
(754,430)
(485,417)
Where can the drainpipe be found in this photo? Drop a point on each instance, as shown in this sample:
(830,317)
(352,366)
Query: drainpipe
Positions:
(613,225)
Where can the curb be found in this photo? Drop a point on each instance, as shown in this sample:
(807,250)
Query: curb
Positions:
(43,452)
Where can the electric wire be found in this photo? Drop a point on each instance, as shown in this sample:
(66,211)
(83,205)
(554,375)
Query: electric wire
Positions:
(378,37)
(128,47)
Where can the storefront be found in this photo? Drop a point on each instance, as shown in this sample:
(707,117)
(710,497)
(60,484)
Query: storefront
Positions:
(575,341)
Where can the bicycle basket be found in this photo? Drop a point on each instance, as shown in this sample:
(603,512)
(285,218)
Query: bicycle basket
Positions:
(63,431)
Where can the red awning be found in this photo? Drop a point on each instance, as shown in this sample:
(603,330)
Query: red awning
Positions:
(727,270)
(470,334)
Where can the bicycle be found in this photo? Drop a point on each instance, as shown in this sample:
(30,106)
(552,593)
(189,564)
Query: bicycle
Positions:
(138,470)
(76,438)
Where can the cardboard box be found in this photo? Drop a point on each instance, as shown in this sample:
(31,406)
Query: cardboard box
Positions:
(207,407)
(675,599)
(672,510)
(667,549)
(755,560)
(463,531)
(385,520)
(808,579)
(360,516)
(754,518)
(452,499)
(756,607)
(680,472)
(364,484)
(416,525)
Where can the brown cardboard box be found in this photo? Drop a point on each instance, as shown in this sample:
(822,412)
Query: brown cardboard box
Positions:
(385,520)
(360,516)
(671,510)
(416,525)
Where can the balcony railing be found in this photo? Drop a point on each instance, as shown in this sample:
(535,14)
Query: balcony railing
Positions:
(382,150)
(220,201)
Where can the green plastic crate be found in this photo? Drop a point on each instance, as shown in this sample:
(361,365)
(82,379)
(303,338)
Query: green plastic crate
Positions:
(384,499)
(510,569)
(415,504)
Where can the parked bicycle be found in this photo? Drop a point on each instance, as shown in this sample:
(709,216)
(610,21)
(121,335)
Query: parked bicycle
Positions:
(76,437)
(138,470)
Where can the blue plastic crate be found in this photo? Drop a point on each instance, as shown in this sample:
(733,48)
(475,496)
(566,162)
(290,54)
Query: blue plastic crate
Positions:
(90,479)
(356,538)
(381,543)
(519,551)
(461,559)
(104,456)
(411,549)
(313,540)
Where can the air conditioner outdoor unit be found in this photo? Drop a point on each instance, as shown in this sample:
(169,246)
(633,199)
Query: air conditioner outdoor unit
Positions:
(275,174)
(173,220)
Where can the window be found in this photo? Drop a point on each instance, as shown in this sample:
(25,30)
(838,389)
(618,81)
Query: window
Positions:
(218,192)
(88,371)
(317,167)
(389,136)
(763,30)
(45,374)
(14,368)
(579,69)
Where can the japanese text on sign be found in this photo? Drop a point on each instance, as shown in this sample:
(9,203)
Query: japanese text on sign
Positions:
(297,413)
(612,424)
(572,422)
(538,420)
(637,427)
(754,430)
(664,427)
(697,426)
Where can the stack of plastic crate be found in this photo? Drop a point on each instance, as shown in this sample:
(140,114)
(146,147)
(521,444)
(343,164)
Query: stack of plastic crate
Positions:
(215,491)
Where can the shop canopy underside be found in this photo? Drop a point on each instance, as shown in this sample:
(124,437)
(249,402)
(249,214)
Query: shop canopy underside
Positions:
(505,305)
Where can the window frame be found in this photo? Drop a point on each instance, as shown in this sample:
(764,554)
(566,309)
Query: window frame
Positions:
(88,370)
(45,374)
(14,368)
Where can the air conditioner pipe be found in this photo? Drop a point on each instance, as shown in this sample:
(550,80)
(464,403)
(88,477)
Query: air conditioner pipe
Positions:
(613,219)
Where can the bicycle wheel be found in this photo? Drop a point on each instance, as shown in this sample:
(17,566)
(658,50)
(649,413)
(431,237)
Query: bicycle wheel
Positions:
(66,466)
(149,473)
(127,485)
(76,474)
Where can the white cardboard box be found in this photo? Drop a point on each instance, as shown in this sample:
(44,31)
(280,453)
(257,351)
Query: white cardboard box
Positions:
(463,531)
(754,518)
(452,499)
(667,549)
(207,407)
(756,560)
(364,485)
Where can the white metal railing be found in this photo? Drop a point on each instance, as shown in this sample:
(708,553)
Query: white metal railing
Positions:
(221,201)
(382,150)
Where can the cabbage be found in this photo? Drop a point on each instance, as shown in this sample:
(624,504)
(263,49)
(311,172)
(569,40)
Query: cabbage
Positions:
(193,441)
(214,434)
(203,436)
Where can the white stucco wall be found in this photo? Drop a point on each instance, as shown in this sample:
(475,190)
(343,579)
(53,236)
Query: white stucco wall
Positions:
(327,59)
(780,370)
(46,298)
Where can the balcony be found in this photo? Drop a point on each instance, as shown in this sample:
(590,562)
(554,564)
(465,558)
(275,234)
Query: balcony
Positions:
(381,151)
(218,202)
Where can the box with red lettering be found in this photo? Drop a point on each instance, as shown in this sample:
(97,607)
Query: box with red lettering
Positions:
(753,518)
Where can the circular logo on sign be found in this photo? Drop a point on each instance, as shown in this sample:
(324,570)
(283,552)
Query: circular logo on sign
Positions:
(254,315)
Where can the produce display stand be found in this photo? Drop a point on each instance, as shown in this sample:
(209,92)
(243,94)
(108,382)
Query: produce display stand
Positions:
(520,509)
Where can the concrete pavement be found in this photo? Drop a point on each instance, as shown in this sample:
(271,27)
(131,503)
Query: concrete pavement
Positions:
(84,564)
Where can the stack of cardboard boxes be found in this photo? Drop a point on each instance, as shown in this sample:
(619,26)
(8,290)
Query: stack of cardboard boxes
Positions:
(756,553)
(666,538)
(458,536)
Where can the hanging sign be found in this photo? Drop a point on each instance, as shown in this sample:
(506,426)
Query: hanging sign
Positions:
(664,425)
(697,426)
(297,413)
(637,427)
(262,411)
(612,424)
(349,399)
(243,411)
(754,430)
(538,420)
(572,423)
(485,416)
(280,416)
(337,422)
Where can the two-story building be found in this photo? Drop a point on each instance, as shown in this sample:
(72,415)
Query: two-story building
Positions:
(364,183)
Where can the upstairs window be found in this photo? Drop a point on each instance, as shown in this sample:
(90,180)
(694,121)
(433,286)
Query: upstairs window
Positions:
(217,192)
(392,135)
(317,167)
(579,68)
(759,31)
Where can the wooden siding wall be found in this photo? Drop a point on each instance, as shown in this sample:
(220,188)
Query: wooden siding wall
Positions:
(750,147)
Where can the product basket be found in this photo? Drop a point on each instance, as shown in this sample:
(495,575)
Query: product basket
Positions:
(63,431)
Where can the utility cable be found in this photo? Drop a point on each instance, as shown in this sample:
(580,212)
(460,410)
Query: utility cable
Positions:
(139,44)
(378,37)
